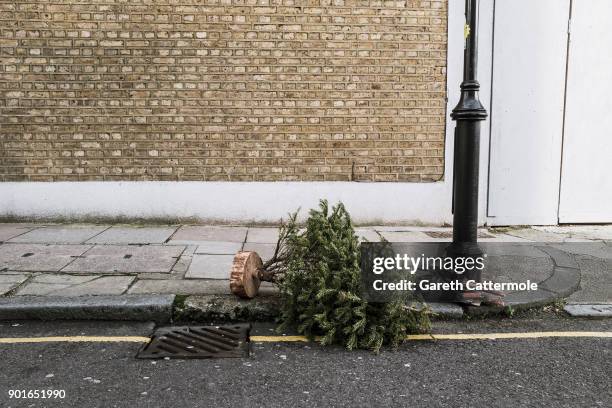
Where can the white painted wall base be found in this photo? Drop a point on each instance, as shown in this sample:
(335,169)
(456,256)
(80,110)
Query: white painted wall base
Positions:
(371,203)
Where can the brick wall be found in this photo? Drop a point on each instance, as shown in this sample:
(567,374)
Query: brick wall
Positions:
(236,90)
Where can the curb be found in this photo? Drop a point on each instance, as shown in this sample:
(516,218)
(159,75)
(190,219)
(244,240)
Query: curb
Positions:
(156,308)
(224,308)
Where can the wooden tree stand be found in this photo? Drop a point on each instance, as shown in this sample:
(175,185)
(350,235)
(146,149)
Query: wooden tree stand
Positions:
(246,274)
(248,270)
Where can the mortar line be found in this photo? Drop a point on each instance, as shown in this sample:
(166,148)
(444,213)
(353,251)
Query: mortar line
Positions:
(178,227)
(18,235)
(246,238)
(76,257)
(92,237)
(176,259)
(70,286)
(132,283)
(22,284)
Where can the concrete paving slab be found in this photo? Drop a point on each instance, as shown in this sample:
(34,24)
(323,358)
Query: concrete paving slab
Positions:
(501,268)
(38,257)
(596,249)
(595,281)
(263,235)
(46,283)
(60,234)
(416,228)
(513,249)
(446,310)
(407,228)
(590,232)
(595,310)
(195,234)
(448,235)
(69,285)
(126,259)
(8,231)
(497,237)
(367,234)
(218,248)
(528,299)
(9,281)
(62,279)
(210,267)
(104,285)
(563,282)
(118,235)
(9,277)
(560,257)
(440,234)
(265,251)
(181,287)
(408,236)
(536,235)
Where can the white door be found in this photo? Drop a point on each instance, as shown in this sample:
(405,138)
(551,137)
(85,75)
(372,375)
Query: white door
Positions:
(529,67)
(586,176)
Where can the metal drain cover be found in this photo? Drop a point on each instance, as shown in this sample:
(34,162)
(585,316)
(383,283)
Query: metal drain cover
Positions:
(198,342)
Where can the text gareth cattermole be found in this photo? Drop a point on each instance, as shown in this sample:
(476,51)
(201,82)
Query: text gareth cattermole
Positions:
(412,264)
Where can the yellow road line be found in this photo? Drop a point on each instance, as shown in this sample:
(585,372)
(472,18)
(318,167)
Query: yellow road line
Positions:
(419,337)
(288,339)
(458,336)
(75,339)
(528,335)
(279,339)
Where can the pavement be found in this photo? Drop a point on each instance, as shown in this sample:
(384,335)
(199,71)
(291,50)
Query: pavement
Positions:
(82,270)
(514,372)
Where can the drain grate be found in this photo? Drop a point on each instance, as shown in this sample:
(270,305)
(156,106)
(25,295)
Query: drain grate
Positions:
(198,342)
(448,234)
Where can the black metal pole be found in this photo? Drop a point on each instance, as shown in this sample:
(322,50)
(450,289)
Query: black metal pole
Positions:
(468,114)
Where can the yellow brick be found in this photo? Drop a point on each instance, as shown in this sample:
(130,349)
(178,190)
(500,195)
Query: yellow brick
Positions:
(230,91)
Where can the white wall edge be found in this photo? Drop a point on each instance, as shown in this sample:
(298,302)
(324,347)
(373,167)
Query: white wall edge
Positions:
(223,201)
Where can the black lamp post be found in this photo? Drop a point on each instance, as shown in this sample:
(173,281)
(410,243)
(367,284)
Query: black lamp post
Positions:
(468,114)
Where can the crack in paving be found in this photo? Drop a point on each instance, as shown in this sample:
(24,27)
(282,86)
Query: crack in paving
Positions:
(75,258)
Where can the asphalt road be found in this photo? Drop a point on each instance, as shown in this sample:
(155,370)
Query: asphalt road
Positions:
(550,372)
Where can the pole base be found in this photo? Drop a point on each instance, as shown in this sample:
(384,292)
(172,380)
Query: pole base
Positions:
(465,250)
(471,249)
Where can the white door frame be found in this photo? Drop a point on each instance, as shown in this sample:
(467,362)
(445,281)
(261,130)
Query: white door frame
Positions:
(586,171)
(528,92)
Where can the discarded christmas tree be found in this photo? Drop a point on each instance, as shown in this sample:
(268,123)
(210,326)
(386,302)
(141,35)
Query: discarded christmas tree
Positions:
(318,272)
